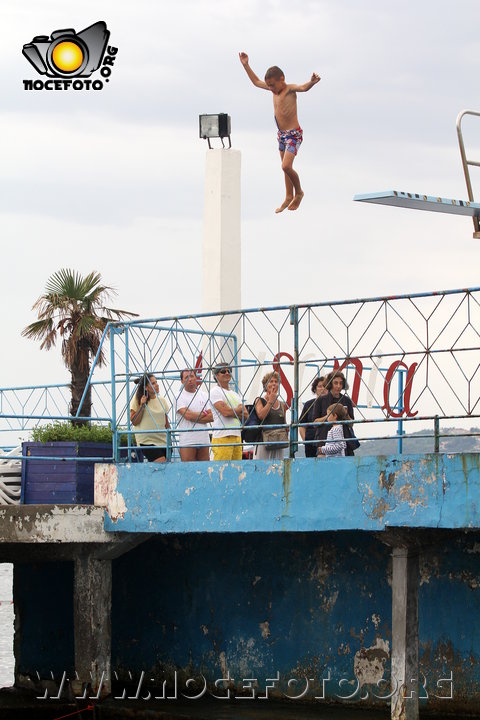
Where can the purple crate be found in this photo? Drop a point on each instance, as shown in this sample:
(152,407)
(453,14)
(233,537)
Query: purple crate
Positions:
(63,482)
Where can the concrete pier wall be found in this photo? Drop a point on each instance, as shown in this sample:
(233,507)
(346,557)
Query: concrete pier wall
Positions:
(263,578)
(292,605)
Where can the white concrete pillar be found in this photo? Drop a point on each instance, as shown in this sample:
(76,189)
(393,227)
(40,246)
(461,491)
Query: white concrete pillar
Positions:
(404,704)
(222,278)
(222,259)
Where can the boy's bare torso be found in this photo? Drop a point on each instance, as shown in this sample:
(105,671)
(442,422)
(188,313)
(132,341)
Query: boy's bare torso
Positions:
(285,108)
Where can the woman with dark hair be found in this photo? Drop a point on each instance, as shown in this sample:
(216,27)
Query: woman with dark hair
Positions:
(308,433)
(335,382)
(148,412)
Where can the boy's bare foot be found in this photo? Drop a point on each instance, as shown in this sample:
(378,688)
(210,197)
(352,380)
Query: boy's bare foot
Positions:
(296,201)
(285,204)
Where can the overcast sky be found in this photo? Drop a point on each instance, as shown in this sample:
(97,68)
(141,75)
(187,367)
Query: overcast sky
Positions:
(113,181)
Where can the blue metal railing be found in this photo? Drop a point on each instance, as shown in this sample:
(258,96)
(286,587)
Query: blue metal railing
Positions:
(409,359)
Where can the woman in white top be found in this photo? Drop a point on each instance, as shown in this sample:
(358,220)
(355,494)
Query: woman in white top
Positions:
(148,412)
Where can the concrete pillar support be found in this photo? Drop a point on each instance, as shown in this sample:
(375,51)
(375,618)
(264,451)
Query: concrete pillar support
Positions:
(221,287)
(92,625)
(404,705)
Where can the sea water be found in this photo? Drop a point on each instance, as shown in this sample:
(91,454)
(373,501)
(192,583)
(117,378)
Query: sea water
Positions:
(7,661)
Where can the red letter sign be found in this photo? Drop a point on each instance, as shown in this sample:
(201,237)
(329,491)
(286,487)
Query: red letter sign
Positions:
(406,393)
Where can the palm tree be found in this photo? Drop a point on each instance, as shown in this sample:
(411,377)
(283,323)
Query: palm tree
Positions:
(73,307)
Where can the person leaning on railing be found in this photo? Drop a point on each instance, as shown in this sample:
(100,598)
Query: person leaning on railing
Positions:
(335,382)
(148,411)
(271,411)
(228,412)
(307,433)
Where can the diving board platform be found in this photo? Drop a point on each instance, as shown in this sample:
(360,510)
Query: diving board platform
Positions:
(436,204)
(421,202)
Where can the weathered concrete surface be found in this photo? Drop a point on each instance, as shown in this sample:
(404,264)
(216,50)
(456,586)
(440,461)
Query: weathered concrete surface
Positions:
(251,605)
(364,493)
(53,532)
(92,603)
(405,582)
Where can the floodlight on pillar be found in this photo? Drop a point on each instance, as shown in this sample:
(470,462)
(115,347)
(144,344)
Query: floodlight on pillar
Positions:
(212,126)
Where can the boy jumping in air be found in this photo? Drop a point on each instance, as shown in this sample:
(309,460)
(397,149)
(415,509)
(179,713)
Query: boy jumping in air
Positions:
(290,134)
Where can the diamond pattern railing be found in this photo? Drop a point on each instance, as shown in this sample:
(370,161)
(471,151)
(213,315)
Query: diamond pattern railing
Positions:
(410,361)
(411,357)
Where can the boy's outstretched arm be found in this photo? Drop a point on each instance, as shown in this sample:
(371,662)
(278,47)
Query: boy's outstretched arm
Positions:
(306,86)
(255,80)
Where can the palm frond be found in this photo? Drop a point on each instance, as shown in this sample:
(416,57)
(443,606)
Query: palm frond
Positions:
(38,329)
(73,306)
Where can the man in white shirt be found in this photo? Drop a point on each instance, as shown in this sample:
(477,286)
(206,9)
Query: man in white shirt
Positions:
(228,412)
(193,416)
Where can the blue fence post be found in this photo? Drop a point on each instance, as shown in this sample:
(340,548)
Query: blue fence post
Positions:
(400,409)
(436,424)
(127,386)
(113,332)
(293,441)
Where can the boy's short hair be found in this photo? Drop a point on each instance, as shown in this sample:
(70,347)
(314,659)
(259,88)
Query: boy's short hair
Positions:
(274,72)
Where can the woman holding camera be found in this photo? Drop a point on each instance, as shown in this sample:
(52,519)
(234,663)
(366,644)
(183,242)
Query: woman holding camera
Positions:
(148,413)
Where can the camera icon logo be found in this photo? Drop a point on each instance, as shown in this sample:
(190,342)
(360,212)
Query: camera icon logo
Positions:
(68,54)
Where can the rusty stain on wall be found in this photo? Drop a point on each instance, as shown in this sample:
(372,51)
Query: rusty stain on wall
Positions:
(265,629)
(405,484)
(429,567)
(386,481)
(380,509)
(369,663)
(287,477)
(469,578)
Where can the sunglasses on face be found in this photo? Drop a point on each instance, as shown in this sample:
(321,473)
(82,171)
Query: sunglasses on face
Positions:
(225,371)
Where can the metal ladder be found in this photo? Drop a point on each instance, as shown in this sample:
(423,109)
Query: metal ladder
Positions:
(466,163)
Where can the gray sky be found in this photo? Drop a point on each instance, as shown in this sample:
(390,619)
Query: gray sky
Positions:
(102,181)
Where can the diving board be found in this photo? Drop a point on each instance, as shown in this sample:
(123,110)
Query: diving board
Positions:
(436,204)
(421,202)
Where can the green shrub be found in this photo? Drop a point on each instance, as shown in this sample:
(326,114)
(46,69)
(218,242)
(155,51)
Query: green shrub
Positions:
(66,432)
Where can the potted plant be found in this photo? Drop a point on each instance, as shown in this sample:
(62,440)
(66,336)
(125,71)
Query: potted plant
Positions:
(73,309)
(57,471)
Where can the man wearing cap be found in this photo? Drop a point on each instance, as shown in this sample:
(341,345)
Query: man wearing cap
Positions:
(228,411)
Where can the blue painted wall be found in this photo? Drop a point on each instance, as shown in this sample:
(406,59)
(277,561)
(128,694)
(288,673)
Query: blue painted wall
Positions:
(256,604)
(300,604)
(43,618)
(260,568)
(364,493)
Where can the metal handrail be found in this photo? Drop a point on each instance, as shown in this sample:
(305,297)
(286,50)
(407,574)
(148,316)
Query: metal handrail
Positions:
(426,341)
(466,163)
